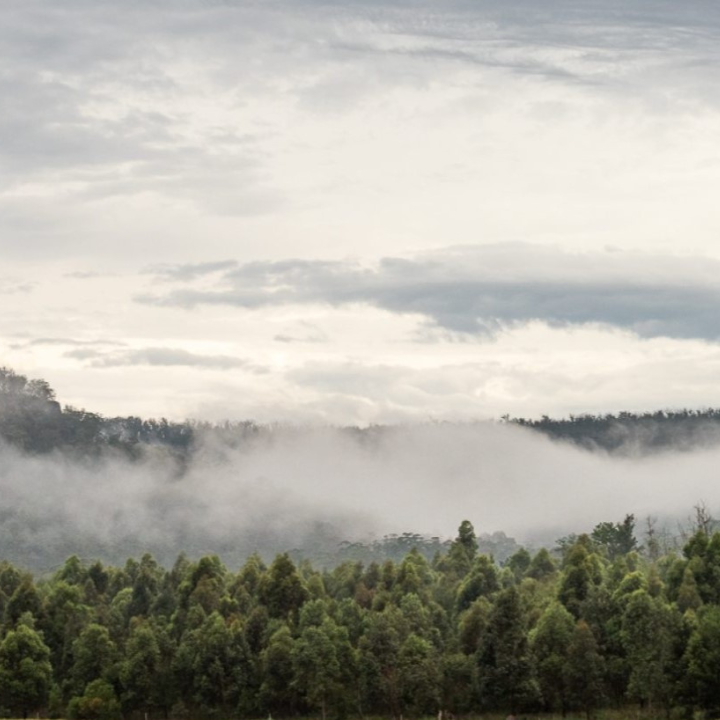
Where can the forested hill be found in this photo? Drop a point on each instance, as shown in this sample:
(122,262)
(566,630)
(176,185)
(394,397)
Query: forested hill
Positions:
(627,432)
(33,420)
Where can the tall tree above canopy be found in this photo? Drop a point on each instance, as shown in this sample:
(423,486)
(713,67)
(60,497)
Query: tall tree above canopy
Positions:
(464,548)
(616,538)
(282,589)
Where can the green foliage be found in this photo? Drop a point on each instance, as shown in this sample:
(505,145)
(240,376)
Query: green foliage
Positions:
(481,581)
(505,667)
(25,671)
(98,702)
(550,642)
(703,662)
(282,590)
(397,639)
(616,538)
(581,570)
(584,670)
(649,627)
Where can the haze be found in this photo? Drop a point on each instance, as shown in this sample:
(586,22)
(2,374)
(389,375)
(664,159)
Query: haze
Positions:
(298,488)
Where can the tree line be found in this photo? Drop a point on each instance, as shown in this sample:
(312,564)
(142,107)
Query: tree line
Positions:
(32,420)
(601,622)
(627,432)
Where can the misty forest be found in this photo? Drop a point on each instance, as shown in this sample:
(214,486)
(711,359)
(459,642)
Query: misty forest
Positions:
(622,617)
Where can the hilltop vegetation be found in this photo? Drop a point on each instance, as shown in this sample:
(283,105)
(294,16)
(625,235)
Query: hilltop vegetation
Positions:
(628,433)
(32,420)
(604,624)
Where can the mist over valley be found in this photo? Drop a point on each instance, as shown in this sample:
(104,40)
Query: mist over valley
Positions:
(73,482)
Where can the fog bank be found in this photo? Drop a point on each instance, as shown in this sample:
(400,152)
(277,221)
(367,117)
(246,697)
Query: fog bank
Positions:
(296,488)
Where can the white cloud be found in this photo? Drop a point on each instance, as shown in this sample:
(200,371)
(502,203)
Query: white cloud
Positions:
(213,139)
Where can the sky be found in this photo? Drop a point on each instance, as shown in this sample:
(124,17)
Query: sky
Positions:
(361,212)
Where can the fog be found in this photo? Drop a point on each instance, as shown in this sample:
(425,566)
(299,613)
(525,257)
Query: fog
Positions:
(292,488)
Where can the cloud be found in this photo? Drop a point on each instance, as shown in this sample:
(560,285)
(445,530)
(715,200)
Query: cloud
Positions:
(161,357)
(12,286)
(190,271)
(115,118)
(61,341)
(482,290)
(87,275)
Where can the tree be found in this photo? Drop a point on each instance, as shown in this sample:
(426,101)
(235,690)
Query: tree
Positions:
(616,538)
(281,589)
(550,642)
(213,664)
(473,625)
(420,677)
(519,563)
(648,626)
(461,553)
(323,664)
(584,670)
(541,566)
(457,682)
(94,655)
(481,581)
(98,702)
(278,692)
(504,665)
(140,669)
(703,661)
(581,570)
(63,618)
(25,671)
(378,660)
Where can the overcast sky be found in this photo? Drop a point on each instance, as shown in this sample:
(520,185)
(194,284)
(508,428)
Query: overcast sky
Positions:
(362,211)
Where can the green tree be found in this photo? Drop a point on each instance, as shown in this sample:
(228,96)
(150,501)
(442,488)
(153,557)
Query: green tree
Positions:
(98,702)
(323,664)
(505,669)
(584,670)
(481,581)
(419,676)
(550,642)
(378,660)
(94,656)
(140,669)
(581,571)
(457,682)
(278,692)
(25,599)
(281,589)
(648,630)
(463,549)
(213,665)
(616,538)
(541,566)
(703,661)
(25,671)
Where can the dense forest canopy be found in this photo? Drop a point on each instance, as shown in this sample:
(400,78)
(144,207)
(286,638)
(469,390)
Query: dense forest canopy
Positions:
(604,623)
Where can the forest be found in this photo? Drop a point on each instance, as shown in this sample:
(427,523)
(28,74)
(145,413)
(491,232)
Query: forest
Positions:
(598,623)
(404,627)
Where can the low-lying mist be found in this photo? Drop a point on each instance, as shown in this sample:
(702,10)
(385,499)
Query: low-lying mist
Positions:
(292,488)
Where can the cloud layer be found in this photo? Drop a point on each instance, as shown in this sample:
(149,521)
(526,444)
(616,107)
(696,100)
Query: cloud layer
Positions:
(287,170)
(481,290)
